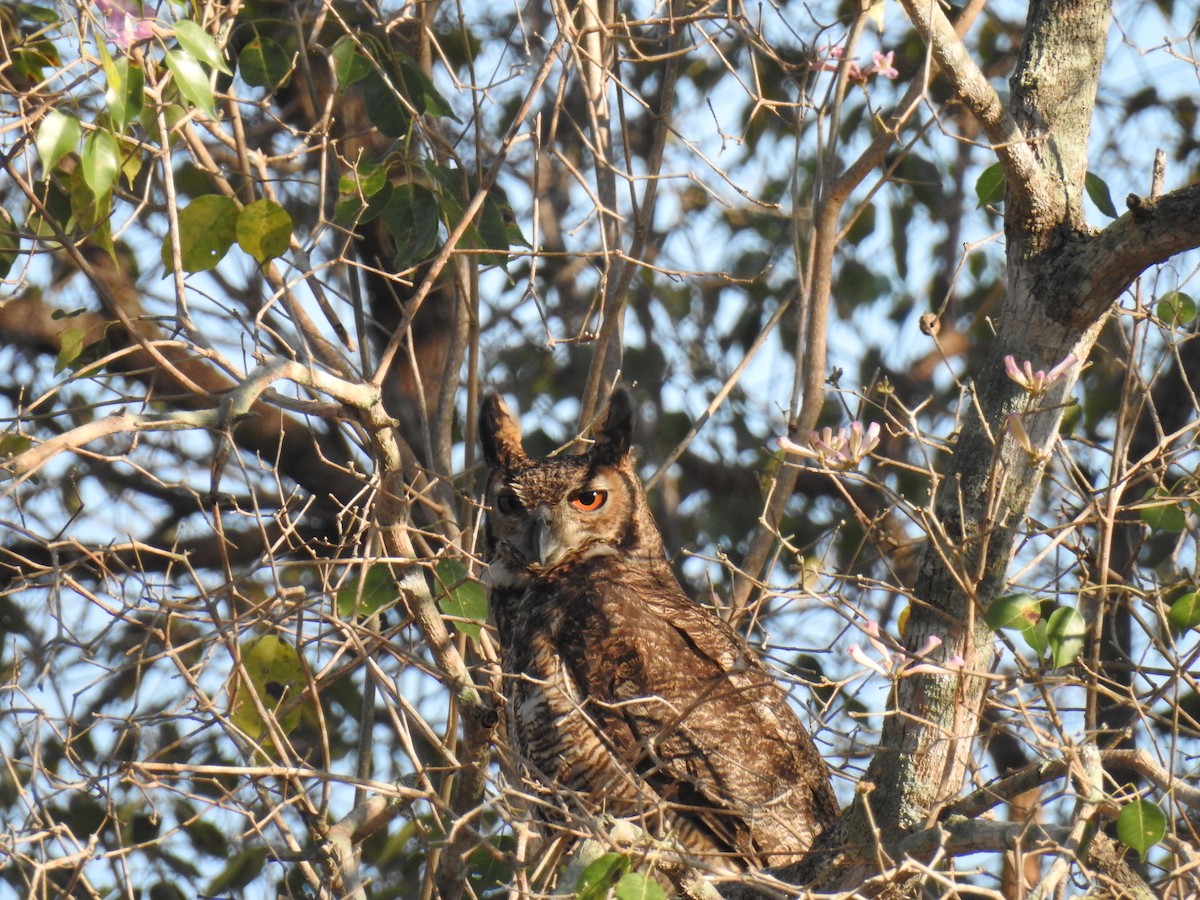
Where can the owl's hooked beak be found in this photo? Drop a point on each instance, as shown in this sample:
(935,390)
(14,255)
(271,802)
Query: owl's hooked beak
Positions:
(543,542)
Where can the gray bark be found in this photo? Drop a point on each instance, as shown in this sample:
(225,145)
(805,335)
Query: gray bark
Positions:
(1063,279)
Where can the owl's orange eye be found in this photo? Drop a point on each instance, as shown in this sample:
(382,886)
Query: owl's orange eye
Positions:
(588,501)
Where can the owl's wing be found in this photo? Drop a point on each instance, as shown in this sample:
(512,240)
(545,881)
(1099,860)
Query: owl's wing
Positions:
(709,727)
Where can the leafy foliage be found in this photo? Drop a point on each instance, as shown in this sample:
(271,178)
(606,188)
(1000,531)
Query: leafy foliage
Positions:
(240,597)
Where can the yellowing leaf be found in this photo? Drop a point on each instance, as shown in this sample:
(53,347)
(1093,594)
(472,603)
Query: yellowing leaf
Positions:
(1013,611)
(207,229)
(264,230)
(275,674)
(1176,308)
(638,886)
(349,65)
(70,345)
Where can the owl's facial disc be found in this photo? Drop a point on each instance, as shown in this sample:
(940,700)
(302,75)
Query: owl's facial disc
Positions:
(567,524)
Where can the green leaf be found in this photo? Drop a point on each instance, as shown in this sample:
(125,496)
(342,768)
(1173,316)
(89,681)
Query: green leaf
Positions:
(386,111)
(274,672)
(859,284)
(1018,611)
(348,211)
(30,55)
(10,242)
(600,875)
(411,216)
(422,92)
(89,212)
(206,837)
(1035,637)
(1162,512)
(1098,191)
(493,233)
(126,84)
(70,345)
(264,230)
(1065,631)
(173,112)
(352,211)
(101,162)
(192,81)
(461,596)
(207,229)
(1141,825)
(200,45)
(989,187)
(238,872)
(57,136)
(490,230)
(636,886)
(513,233)
(1184,612)
(349,65)
(1176,308)
(366,179)
(489,870)
(264,63)
(366,593)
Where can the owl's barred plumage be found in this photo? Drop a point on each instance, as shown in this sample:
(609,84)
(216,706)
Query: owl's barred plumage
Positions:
(624,696)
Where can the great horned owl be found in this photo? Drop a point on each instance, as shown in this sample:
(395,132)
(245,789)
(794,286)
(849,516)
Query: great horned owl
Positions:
(624,696)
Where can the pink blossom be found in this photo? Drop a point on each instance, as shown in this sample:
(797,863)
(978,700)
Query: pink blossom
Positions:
(882,65)
(844,449)
(1032,382)
(901,665)
(865,661)
(931,643)
(855,74)
(954,664)
(124,24)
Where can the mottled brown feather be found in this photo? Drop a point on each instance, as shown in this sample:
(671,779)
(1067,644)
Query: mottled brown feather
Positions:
(624,696)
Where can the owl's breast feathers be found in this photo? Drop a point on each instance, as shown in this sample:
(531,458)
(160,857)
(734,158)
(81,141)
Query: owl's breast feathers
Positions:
(622,689)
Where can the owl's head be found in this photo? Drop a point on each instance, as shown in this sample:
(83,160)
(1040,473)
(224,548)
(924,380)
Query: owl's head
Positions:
(545,512)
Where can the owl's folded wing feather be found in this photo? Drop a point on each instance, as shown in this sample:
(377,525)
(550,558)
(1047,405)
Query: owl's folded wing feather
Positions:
(710,729)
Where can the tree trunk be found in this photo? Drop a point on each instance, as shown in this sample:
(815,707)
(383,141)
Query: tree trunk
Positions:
(1057,303)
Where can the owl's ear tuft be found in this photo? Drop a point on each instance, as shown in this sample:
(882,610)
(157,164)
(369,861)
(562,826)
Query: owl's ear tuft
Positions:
(615,435)
(499,433)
